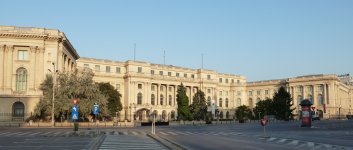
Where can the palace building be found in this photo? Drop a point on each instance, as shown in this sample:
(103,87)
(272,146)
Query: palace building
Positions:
(27,53)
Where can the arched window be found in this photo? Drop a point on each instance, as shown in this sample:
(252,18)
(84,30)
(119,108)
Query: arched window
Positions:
(220,102)
(161,100)
(250,102)
(257,100)
(21,79)
(152,99)
(320,99)
(299,99)
(208,101)
(227,115)
(139,98)
(18,109)
(221,115)
(310,98)
(170,100)
(172,115)
(238,102)
(226,102)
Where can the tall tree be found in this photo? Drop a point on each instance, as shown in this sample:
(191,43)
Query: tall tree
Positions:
(114,102)
(282,103)
(198,108)
(183,103)
(243,109)
(70,85)
(264,107)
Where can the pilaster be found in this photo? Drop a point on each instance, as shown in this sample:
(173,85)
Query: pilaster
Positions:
(2,72)
(324,93)
(32,72)
(41,64)
(9,67)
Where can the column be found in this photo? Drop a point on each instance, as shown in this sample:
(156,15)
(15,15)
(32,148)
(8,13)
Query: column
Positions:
(167,95)
(65,62)
(324,93)
(60,58)
(295,101)
(41,64)
(158,89)
(147,87)
(134,88)
(303,90)
(9,67)
(262,94)
(175,95)
(31,84)
(190,97)
(313,86)
(2,49)
(328,94)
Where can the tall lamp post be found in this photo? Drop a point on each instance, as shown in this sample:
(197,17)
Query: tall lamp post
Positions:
(52,112)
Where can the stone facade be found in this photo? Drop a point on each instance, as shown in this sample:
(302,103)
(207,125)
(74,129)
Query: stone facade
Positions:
(26,54)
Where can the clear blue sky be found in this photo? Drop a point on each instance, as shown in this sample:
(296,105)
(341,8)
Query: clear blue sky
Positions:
(261,40)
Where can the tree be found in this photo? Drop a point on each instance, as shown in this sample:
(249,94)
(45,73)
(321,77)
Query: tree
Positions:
(282,103)
(70,85)
(244,110)
(198,108)
(114,102)
(183,103)
(264,107)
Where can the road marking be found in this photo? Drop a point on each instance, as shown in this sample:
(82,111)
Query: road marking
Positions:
(163,133)
(295,142)
(34,133)
(13,133)
(271,139)
(172,133)
(189,132)
(182,133)
(281,141)
(144,133)
(133,132)
(116,133)
(125,133)
(5,133)
(310,144)
(254,147)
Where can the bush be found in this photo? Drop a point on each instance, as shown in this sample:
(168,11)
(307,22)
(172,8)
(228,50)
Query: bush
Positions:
(81,120)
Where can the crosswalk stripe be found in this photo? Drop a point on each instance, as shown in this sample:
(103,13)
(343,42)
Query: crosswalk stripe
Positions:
(125,133)
(271,139)
(5,133)
(13,133)
(163,133)
(116,133)
(182,133)
(295,142)
(189,132)
(144,133)
(281,141)
(133,132)
(24,133)
(172,133)
(310,144)
(35,133)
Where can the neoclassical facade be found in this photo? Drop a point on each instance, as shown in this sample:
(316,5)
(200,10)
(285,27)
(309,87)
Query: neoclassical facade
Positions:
(26,54)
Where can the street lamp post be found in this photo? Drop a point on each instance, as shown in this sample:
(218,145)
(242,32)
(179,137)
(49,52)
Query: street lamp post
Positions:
(52,113)
(259,115)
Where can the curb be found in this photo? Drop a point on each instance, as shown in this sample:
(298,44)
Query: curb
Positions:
(98,142)
(168,144)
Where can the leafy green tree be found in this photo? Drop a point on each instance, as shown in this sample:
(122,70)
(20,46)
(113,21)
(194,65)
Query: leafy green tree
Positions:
(183,103)
(264,107)
(70,85)
(244,110)
(114,98)
(282,103)
(198,108)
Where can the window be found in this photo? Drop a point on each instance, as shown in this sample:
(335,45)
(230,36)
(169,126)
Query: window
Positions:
(227,115)
(238,93)
(192,76)
(238,102)
(161,102)
(220,79)
(308,88)
(220,102)
(117,69)
(18,109)
(208,90)
(232,80)
(85,66)
(152,88)
(170,100)
(161,88)
(250,92)
(226,80)
(139,98)
(170,89)
(320,99)
(238,81)
(185,75)
(226,102)
(152,99)
(208,101)
(152,71)
(274,91)
(257,92)
(97,68)
(177,74)
(220,92)
(193,90)
(226,92)
(266,91)
(160,72)
(139,69)
(310,98)
(319,88)
(299,89)
(139,86)
(107,69)
(221,115)
(250,103)
(299,99)
(169,74)
(208,76)
(21,79)
(117,86)
(22,55)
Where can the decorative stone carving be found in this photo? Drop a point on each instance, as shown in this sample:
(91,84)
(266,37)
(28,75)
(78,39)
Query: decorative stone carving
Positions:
(33,49)
(2,47)
(9,48)
(41,49)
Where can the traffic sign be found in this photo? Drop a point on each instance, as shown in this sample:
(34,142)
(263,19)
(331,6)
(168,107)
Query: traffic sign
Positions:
(313,114)
(95,110)
(313,108)
(74,115)
(263,122)
(75,101)
(74,109)
(96,104)
(213,107)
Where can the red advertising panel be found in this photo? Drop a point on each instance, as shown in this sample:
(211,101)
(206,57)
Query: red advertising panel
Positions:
(306,114)
(324,108)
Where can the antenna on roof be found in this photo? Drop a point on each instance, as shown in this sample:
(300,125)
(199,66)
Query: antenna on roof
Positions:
(134,51)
